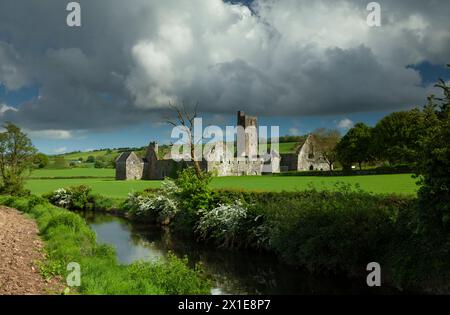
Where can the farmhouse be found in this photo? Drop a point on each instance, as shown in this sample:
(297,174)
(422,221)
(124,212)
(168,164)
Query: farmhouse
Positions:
(306,158)
(130,167)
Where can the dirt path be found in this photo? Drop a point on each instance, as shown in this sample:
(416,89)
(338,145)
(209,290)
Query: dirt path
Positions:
(20,248)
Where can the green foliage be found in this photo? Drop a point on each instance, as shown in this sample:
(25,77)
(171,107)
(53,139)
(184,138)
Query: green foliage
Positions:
(289,139)
(90,159)
(160,206)
(73,198)
(103,162)
(173,276)
(194,193)
(40,160)
(355,146)
(68,239)
(434,165)
(326,141)
(395,136)
(16,158)
(60,162)
(224,225)
(330,231)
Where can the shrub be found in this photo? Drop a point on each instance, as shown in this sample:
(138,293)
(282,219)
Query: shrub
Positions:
(193,193)
(161,206)
(223,224)
(73,198)
(157,207)
(337,232)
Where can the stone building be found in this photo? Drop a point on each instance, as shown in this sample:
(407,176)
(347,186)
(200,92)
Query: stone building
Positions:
(129,166)
(220,159)
(306,158)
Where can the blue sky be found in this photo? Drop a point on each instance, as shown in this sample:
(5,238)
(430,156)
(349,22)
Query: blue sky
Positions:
(294,64)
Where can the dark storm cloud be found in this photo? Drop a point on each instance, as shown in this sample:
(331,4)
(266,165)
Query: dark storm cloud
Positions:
(286,57)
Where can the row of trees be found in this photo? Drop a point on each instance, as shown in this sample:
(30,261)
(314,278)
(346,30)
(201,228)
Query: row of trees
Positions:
(393,140)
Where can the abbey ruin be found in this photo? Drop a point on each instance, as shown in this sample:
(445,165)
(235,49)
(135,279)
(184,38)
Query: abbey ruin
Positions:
(246,159)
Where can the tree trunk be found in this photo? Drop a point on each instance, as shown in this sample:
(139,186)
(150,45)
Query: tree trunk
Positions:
(197,168)
(360,166)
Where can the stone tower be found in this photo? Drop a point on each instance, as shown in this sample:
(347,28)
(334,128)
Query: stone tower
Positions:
(249,134)
(152,151)
(151,159)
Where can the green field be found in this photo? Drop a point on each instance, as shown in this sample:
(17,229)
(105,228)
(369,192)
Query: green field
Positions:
(46,181)
(85,155)
(286,147)
(73,172)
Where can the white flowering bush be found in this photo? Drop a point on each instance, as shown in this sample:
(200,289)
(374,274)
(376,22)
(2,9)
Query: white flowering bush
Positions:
(223,224)
(61,197)
(73,198)
(161,206)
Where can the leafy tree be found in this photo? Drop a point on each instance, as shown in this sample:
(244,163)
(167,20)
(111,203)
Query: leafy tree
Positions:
(355,146)
(90,159)
(40,160)
(326,141)
(433,165)
(395,137)
(16,157)
(99,164)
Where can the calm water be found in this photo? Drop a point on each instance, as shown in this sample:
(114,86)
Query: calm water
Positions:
(233,272)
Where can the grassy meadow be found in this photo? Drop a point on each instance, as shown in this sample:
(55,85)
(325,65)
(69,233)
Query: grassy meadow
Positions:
(102,182)
(73,173)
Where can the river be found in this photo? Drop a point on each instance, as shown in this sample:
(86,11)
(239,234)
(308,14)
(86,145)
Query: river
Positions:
(233,272)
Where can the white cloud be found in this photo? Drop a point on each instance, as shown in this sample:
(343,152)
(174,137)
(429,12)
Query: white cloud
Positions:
(345,123)
(4,108)
(51,134)
(294,131)
(60,150)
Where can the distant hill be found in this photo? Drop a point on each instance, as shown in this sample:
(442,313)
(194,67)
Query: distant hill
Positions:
(110,155)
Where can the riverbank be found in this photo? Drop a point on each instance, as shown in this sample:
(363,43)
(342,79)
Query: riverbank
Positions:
(334,232)
(21,253)
(68,239)
(231,271)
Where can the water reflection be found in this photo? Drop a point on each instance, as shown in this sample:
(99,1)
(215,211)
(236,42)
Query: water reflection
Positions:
(233,272)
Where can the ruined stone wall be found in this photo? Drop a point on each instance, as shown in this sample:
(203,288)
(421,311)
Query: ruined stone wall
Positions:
(130,170)
(236,167)
(121,171)
(289,162)
(310,159)
(273,166)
